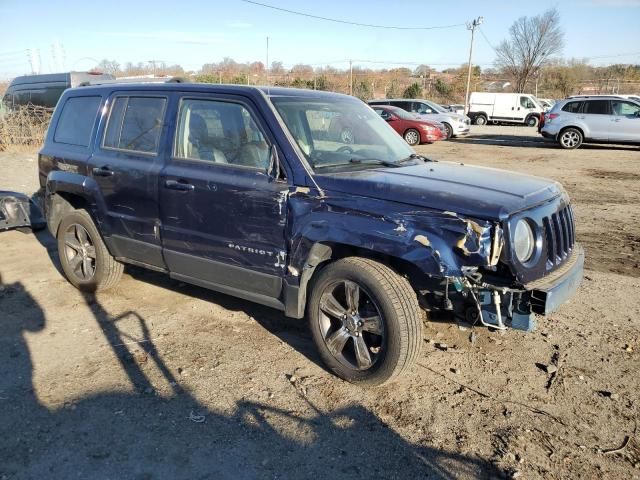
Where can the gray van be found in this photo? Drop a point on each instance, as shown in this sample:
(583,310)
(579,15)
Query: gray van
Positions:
(45,90)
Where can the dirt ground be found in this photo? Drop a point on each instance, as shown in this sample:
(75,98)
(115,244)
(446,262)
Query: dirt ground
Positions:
(157,379)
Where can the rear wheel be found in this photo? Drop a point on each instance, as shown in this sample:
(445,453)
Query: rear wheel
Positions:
(449,130)
(481,120)
(570,138)
(85,260)
(412,137)
(365,320)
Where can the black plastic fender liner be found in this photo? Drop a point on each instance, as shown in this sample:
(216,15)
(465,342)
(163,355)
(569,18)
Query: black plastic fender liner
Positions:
(18,210)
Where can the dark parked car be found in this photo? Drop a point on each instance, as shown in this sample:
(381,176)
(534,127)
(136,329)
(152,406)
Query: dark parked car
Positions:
(413,129)
(242,190)
(45,90)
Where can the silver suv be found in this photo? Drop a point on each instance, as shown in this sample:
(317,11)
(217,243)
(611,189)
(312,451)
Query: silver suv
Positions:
(454,124)
(596,119)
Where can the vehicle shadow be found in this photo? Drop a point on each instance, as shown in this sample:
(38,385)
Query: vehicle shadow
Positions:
(145,435)
(533,141)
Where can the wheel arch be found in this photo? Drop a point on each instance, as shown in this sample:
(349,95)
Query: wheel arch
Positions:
(324,253)
(65,192)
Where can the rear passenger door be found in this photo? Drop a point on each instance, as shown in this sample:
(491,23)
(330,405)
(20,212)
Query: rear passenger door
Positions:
(223,218)
(597,117)
(126,166)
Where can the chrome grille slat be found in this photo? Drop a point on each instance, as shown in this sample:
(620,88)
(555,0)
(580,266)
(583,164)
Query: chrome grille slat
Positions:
(559,232)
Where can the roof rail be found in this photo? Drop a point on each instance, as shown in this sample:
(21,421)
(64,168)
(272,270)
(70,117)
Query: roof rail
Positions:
(135,80)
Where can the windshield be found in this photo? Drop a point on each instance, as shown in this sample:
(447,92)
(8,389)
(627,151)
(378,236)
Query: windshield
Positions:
(340,132)
(436,107)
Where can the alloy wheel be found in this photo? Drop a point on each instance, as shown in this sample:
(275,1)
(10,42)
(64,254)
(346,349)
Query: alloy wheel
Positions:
(80,252)
(351,324)
(570,139)
(412,137)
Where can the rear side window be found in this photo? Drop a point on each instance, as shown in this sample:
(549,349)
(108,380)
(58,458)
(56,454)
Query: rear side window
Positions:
(76,121)
(596,107)
(401,104)
(135,124)
(572,107)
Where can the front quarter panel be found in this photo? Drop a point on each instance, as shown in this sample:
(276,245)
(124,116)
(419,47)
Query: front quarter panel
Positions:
(438,243)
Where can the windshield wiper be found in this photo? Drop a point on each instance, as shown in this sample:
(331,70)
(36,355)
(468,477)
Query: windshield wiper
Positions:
(415,156)
(373,161)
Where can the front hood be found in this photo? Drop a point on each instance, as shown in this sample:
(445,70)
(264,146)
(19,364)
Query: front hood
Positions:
(480,192)
(443,117)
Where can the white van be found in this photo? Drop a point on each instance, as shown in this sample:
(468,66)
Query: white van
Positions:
(504,108)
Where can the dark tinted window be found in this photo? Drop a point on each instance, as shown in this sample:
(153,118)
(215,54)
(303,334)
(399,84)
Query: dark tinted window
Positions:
(403,105)
(135,124)
(572,107)
(76,121)
(598,107)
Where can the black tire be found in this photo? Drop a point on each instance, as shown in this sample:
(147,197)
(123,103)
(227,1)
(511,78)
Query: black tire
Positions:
(570,138)
(412,136)
(532,121)
(97,270)
(481,120)
(399,321)
(448,129)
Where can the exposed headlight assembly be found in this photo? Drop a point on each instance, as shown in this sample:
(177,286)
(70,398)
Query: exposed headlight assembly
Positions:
(523,241)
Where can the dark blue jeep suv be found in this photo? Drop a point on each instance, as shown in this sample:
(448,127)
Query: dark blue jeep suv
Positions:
(252,192)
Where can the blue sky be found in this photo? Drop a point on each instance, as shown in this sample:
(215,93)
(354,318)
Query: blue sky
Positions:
(193,32)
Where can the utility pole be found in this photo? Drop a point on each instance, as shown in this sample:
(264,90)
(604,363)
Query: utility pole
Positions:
(470,26)
(350,77)
(267,65)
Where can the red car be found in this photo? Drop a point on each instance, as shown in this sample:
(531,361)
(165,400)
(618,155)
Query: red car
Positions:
(414,130)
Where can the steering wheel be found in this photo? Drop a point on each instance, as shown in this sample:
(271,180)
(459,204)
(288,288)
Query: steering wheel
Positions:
(345,149)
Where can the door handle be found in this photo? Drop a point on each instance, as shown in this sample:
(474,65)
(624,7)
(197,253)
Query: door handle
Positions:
(179,185)
(103,171)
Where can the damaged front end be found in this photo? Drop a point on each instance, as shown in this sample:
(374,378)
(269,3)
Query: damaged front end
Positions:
(18,210)
(502,292)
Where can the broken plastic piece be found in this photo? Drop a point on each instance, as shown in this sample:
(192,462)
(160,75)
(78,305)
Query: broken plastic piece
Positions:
(18,210)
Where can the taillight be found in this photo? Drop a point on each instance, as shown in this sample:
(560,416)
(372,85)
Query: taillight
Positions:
(551,116)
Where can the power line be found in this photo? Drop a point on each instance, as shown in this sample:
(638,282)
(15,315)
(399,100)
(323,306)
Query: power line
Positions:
(347,22)
(487,40)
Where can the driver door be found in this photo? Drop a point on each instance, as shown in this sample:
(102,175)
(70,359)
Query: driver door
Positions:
(223,218)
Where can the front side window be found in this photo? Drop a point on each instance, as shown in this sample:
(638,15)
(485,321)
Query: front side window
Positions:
(220,132)
(76,121)
(596,107)
(135,124)
(335,132)
(624,108)
(526,102)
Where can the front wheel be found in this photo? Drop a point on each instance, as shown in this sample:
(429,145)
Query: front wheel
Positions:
(532,121)
(84,257)
(365,320)
(570,138)
(412,137)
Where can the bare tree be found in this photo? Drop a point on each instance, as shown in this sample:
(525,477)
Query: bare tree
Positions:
(532,42)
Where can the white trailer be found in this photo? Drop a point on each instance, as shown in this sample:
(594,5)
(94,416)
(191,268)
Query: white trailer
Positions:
(487,107)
